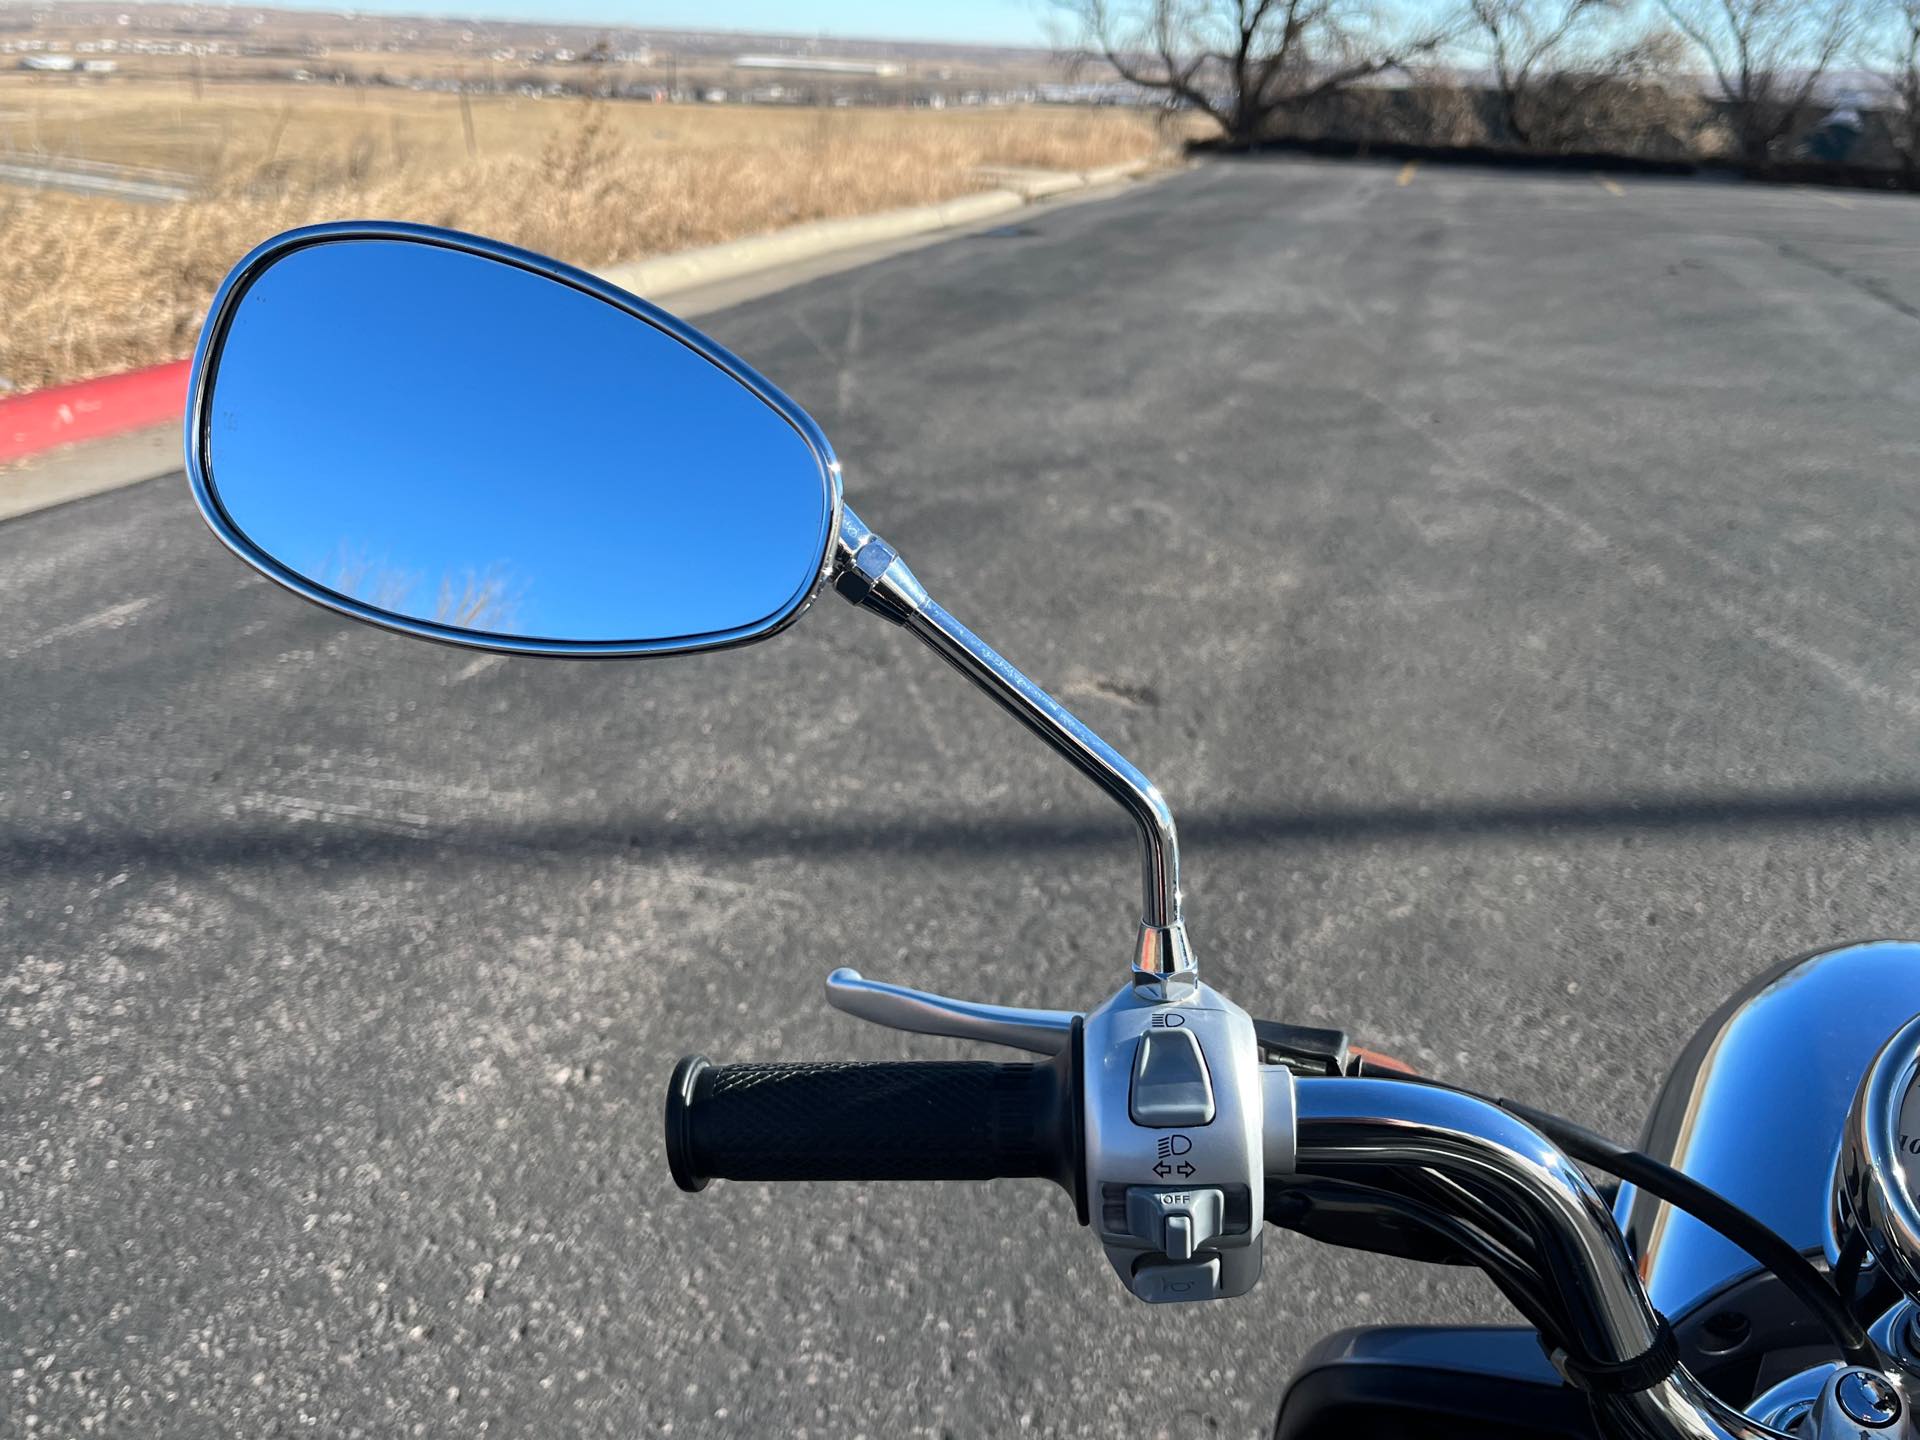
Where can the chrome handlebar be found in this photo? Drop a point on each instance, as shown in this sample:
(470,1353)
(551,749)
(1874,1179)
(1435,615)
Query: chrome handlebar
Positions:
(1348,1124)
(1358,1124)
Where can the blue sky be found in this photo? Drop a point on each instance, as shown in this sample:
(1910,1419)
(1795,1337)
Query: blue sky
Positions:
(1005,22)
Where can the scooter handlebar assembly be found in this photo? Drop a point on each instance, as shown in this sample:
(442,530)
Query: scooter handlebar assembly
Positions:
(1162,1113)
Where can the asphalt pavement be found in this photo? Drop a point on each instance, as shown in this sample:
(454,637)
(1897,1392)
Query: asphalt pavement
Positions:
(1511,579)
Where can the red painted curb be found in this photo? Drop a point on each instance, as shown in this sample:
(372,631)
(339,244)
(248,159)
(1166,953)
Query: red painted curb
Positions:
(92,409)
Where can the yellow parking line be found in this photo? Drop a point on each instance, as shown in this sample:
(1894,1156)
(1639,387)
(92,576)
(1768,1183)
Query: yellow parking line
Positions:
(1407,172)
(1610,186)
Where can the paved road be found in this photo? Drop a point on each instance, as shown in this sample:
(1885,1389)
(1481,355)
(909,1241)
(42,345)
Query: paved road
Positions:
(96,177)
(1512,582)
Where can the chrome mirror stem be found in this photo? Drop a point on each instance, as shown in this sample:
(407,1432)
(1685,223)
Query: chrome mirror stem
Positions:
(870,574)
(1044,1032)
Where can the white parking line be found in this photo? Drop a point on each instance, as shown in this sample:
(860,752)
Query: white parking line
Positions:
(113,617)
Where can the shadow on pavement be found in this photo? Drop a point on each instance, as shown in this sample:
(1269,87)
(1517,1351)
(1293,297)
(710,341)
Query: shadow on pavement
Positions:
(25,851)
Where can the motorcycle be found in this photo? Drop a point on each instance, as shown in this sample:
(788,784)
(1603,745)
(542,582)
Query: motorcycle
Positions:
(537,463)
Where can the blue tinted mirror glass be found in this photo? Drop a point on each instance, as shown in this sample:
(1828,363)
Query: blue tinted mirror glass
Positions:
(488,452)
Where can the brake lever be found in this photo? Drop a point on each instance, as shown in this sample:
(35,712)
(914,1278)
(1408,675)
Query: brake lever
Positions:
(1043,1032)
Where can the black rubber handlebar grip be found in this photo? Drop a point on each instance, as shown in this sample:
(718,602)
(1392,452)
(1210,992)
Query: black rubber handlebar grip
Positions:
(905,1120)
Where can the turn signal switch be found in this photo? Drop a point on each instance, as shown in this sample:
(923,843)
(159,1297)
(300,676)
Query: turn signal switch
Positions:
(1183,1125)
(1176,1222)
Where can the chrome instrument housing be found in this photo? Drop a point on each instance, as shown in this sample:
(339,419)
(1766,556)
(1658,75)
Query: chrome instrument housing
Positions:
(1873,1198)
(1792,1046)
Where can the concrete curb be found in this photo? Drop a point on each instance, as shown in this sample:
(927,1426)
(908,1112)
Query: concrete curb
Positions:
(713,263)
(76,471)
(91,409)
(734,258)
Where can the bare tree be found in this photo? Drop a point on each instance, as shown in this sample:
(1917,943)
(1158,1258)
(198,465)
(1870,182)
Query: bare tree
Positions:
(1628,99)
(1768,58)
(1528,42)
(1244,62)
(1897,61)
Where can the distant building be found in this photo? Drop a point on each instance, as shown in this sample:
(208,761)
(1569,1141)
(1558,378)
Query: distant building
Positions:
(61,63)
(814,64)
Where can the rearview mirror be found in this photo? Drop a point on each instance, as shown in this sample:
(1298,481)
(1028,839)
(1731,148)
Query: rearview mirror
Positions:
(454,438)
(463,441)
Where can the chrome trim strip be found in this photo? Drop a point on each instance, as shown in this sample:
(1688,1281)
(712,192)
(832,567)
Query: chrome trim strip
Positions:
(205,368)
(1680,1408)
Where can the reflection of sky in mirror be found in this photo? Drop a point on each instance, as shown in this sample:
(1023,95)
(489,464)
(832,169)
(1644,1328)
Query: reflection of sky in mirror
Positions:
(458,440)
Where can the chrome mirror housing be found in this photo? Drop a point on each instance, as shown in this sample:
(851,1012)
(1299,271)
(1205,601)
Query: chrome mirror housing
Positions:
(446,436)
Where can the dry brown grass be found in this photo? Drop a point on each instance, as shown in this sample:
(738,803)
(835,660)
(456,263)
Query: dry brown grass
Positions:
(90,286)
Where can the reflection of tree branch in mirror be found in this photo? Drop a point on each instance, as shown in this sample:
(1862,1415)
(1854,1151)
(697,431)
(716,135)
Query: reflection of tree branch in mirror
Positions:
(373,582)
(478,602)
(474,600)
